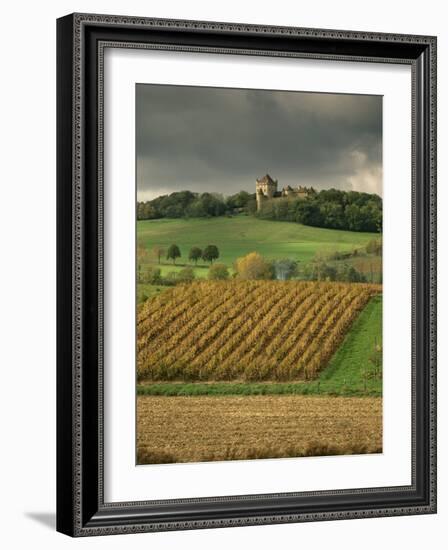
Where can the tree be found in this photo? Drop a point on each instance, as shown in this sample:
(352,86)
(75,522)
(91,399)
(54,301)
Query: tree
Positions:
(210,253)
(218,272)
(355,276)
(239,200)
(254,266)
(318,270)
(376,359)
(173,253)
(354,217)
(145,211)
(332,208)
(284,269)
(374,247)
(158,252)
(252,206)
(195,254)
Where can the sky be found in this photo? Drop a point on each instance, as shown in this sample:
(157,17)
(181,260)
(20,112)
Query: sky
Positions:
(222,139)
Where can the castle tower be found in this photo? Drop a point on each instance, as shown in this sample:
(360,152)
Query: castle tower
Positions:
(265,188)
(260,198)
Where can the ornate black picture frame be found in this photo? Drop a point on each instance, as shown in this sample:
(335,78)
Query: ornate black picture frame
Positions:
(81,509)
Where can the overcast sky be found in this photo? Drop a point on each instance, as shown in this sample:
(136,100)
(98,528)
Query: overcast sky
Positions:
(221,140)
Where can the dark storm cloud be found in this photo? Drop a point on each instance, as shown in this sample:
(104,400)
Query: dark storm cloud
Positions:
(221,140)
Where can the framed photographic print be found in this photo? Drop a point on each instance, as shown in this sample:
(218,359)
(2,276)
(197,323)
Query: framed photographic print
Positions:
(246,274)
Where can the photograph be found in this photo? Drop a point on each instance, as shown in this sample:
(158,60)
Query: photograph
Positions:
(258,252)
(246,273)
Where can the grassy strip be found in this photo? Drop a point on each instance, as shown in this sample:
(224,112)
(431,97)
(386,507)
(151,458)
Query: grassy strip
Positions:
(342,377)
(231,388)
(347,365)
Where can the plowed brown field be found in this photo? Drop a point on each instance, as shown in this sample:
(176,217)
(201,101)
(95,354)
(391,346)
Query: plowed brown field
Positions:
(197,429)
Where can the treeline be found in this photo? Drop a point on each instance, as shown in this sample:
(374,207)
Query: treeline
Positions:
(208,254)
(255,267)
(333,209)
(153,275)
(186,204)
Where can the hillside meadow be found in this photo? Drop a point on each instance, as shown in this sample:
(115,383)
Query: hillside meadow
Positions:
(239,235)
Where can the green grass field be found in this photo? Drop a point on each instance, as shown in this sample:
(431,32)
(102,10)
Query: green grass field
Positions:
(200,271)
(344,375)
(145,289)
(239,235)
(346,367)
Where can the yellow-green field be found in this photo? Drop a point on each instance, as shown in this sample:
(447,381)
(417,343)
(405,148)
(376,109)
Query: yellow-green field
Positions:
(197,429)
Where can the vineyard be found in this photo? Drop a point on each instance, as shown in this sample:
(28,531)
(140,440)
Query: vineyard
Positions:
(246,330)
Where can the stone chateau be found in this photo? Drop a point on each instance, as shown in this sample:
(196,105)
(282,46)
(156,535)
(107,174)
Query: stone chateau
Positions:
(266,188)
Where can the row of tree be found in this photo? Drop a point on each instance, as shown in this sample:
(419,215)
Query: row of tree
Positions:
(186,204)
(153,275)
(333,208)
(321,271)
(254,266)
(208,254)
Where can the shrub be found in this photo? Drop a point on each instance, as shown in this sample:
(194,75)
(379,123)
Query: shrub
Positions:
(320,271)
(185,275)
(375,246)
(218,272)
(151,275)
(170,279)
(284,269)
(350,274)
(254,266)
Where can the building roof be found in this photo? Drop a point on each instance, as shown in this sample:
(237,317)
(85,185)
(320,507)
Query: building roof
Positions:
(267,179)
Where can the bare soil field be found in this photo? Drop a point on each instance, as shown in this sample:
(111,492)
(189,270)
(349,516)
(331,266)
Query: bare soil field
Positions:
(207,428)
